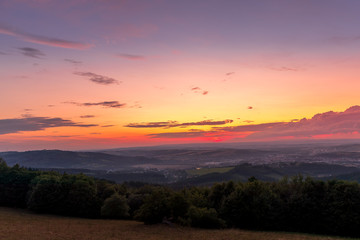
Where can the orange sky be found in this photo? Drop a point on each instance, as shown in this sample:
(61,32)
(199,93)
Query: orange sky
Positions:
(88,74)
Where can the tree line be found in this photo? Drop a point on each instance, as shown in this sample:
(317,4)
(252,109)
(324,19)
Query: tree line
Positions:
(295,204)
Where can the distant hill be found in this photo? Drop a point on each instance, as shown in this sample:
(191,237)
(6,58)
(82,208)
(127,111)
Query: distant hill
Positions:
(201,157)
(68,159)
(274,172)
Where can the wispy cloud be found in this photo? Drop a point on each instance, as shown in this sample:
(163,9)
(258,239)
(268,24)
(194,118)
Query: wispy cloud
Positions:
(54,42)
(99,79)
(15,125)
(199,90)
(284,69)
(105,126)
(228,76)
(131,56)
(171,124)
(87,116)
(106,104)
(251,127)
(2,53)
(190,134)
(31,52)
(72,61)
(248,121)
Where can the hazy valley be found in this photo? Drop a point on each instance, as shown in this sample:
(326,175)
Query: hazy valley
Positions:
(201,165)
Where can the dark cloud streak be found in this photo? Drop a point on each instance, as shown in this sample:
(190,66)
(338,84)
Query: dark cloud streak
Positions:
(171,124)
(72,61)
(31,52)
(199,90)
(99,79)
(192,134)
(54,42)
(131,56)
(106,104)
(16,125)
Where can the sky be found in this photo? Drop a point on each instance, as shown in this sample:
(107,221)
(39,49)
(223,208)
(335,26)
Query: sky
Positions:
(97,74)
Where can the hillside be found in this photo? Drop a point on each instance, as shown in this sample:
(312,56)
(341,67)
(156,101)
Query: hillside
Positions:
(69,159)
(18,224)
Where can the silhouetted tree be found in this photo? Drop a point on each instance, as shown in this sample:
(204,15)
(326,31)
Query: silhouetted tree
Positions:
(115,207)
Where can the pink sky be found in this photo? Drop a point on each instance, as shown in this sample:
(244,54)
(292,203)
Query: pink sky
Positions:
(90,74)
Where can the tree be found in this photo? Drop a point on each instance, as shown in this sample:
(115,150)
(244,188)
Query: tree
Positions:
(46,196)
(204,218)
(155,208)
(115,207)
(81,199)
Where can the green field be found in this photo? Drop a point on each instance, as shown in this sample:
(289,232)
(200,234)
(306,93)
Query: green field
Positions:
(203,171)
(18,224)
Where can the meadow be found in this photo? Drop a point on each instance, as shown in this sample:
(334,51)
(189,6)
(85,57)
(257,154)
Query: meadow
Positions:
(19,224)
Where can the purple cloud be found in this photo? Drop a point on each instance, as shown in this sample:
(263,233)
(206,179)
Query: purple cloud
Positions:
(15,125)
(72,61)
(190,134)
(130,56)
(87,116)
(106,104)
(54,42)
(31,52)
(323,123)
(99,79)
(171,124)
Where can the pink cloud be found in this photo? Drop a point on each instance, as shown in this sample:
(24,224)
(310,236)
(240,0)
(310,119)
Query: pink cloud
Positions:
(322,124)
(54,42)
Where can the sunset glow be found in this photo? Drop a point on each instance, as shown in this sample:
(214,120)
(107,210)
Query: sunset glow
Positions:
(92,74)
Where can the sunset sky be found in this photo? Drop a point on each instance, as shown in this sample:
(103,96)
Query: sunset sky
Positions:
(96,74)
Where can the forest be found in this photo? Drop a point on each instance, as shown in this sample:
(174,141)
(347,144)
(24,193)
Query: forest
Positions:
(296,204)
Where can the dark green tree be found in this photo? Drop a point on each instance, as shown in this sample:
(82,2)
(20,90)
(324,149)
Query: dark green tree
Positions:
(115,207)
(156,207)
(204,218)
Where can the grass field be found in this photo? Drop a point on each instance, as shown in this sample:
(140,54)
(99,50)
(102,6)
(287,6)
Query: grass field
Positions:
(23,225)
(203,171)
